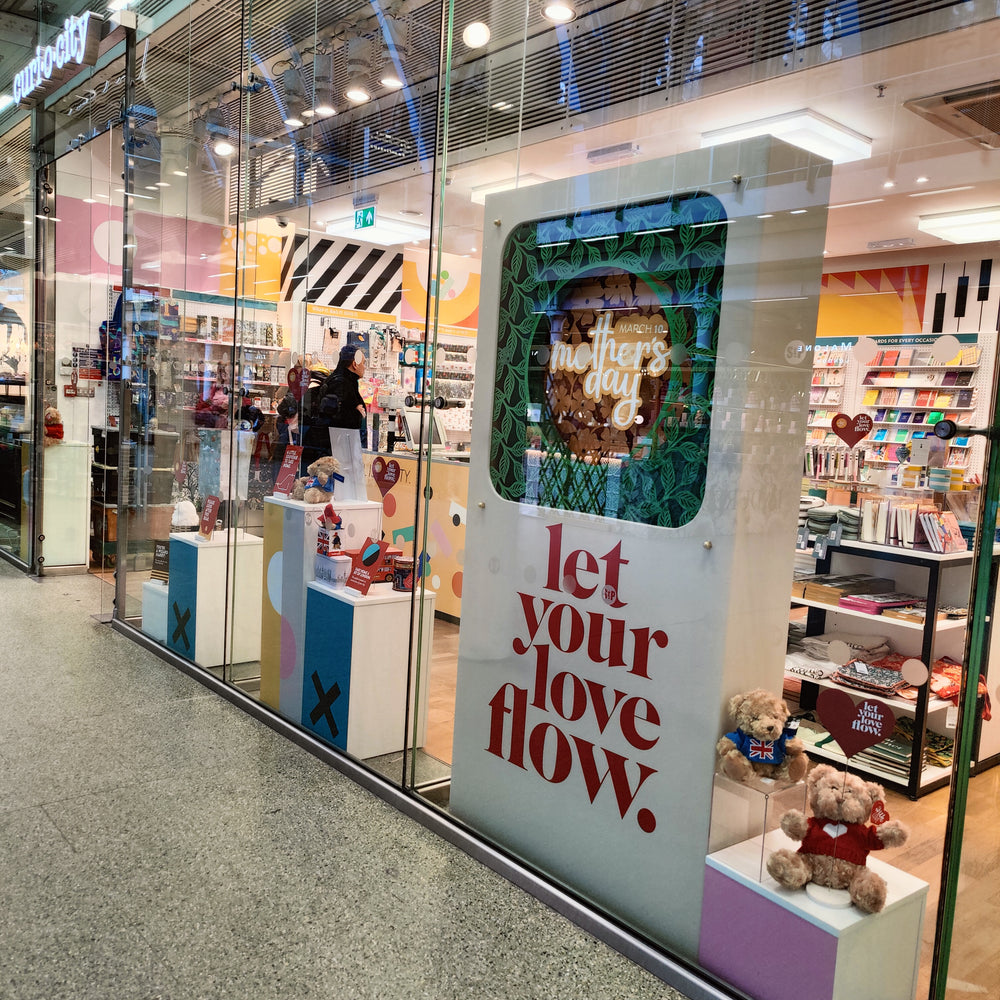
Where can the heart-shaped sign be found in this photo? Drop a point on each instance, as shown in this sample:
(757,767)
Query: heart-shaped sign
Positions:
(879,814)
(385,473)
(854,727)
(851,430)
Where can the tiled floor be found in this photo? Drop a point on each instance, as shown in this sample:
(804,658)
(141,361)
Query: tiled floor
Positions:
(157,842)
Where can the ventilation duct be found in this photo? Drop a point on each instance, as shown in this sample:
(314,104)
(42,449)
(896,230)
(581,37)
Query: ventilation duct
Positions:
(972,114)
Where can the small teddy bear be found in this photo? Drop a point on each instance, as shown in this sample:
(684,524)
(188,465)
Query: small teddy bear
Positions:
(317,486)
(837,838)
(53,425)
(764,744)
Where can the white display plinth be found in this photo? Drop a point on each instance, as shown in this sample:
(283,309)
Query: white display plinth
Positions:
(66,504)
(196,602)
(833,953)
(155,609)
(290,528)
(355,669)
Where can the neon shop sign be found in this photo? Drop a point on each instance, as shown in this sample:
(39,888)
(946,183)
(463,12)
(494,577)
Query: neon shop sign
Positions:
(76,44)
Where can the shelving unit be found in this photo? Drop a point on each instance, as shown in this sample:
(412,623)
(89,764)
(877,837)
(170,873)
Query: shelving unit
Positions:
(946,580)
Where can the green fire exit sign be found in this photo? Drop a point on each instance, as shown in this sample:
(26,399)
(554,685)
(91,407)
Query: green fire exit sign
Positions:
(364,218)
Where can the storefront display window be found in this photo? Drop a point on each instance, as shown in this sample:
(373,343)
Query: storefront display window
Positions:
(648,324)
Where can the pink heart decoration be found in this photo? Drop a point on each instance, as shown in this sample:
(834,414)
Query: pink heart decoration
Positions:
(851,430)
(854,727)
(385,474)
(879,814)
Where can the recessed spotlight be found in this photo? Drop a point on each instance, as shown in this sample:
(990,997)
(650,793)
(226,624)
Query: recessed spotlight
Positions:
(180,173)
(390,79)
(307,112)
(151,187)
(163,184)
(922,180)
(767,215)
(223,148)
(293,122)
(558,11)
(325,110)
(888,184)
(798,211)
(476,35)
(90,201)
(357,93)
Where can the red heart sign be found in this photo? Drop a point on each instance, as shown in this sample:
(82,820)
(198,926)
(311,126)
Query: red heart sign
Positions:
(879,814)
(852,429)
(385,474)
(854,727)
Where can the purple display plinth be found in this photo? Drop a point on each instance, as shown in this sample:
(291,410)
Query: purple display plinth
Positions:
(826,953)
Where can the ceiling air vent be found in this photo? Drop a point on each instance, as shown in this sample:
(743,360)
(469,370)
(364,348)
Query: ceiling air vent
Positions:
(973,114)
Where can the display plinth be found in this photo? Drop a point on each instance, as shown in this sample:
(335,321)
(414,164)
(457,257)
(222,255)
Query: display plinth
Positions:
(742,811)
(354,677)
(290,529)
(66,509)
(155,609)
(826,953)
(196,600)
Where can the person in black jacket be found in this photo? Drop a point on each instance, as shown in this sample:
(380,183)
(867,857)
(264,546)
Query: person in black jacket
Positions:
(340,403)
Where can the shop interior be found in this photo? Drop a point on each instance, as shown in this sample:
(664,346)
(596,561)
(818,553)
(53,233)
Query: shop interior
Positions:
(914,185)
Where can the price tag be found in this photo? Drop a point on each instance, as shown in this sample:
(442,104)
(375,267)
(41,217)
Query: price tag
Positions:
(209,515)
(836,533)
(951,718)
(288,472)
(861,668)
(819,549)
(802,538)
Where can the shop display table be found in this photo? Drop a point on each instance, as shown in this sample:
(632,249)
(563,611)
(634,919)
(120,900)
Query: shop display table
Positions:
(826,953)
(196,596)
(354,677)
(289,562)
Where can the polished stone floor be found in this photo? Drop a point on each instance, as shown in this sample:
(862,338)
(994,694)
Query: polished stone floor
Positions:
(155,841)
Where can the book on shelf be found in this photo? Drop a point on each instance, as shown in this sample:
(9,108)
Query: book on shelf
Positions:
(902,436)
(932,378)
(970,356)
(963,378)
(901,375)
(830,588)
(924,397)
(907,397)
(943,531)
(890,359)
(879,435)
(950,378)
(964,398)
(875,604)
(871,397)
(892,416)
(906,356)
(869,378)
(886,397)
(943,399)
(880,415)
(904,416)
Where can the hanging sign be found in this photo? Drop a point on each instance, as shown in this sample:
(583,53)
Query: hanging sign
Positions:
(76,45)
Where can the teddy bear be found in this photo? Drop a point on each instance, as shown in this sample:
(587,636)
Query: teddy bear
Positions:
(53,425)
(764,744)
(837,838)
(317,486)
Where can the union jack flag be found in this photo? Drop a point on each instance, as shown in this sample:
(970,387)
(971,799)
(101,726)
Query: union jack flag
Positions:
(761,749)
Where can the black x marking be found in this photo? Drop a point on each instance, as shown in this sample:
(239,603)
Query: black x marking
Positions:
(326,700)
(181,631)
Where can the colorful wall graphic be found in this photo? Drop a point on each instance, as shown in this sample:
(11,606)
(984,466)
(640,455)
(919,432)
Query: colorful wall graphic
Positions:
(457,288)
(881,301)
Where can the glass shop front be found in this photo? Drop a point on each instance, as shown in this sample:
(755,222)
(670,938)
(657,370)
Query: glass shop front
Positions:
(576,415)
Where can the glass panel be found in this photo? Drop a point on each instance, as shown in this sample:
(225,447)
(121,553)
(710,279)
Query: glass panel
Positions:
(561,136)
(84,358)
(16,341)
